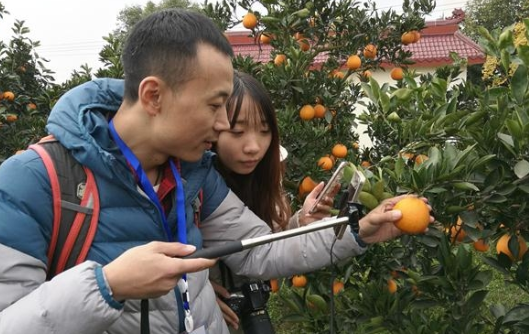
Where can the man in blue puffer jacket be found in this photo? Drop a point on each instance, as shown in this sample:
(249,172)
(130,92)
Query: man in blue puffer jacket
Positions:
(147,135)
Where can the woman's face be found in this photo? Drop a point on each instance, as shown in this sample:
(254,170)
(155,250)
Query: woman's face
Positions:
(242,148)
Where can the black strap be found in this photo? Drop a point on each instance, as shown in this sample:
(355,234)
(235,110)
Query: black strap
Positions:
(144,325)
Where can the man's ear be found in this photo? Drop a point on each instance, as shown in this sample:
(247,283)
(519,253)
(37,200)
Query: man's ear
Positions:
(150,95)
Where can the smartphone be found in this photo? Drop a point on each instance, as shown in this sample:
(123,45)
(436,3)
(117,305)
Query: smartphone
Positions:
(335,179)
(350,196)
(355,186)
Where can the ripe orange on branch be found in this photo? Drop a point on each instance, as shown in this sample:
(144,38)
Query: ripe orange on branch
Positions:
(392,286)
(397,73)
(299,281)
(337,287)
(370,51)
(307,112)
(319,110)
(10,96)
(265,38)
(339,151)
(279,59)
(325,163)
(502,246)
(249,21)
(306,185)
(415,215)
(407,38)
(354,62)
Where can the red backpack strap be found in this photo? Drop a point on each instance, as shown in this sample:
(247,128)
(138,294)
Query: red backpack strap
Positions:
(75,206)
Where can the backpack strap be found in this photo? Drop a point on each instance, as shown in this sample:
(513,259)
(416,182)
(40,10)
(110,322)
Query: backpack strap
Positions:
(75,206)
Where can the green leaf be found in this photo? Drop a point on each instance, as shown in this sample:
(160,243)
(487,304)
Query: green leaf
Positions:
(402,94)
(523,54)
(521,168)
(506,139)
(519,83)
(465,186)
(384,102)
(516,314)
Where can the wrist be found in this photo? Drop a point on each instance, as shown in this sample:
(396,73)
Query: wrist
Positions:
(105,289)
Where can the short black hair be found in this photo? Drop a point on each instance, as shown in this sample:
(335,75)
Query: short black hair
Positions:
(164,44)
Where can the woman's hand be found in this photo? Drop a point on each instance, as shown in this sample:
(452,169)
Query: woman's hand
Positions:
(229,316)
(323,208)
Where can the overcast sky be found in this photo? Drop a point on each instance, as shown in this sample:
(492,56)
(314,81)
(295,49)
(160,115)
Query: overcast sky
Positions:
(71,32)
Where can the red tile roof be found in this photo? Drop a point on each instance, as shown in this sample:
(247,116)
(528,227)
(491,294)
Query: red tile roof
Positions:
(438,39)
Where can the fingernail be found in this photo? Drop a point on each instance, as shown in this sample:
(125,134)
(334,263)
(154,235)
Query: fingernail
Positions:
(190,248)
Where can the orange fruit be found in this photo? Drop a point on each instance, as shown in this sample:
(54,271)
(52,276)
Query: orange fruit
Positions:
(299,281)
(457,233)
(415,215)
(319,111)
(32,106)
(397,73)
(356,146)
(354,62)
(338,74)
(365,164)
(337,287)
(502,246)
(370,51)
(392,286)
(307,112)
(325,163)
(339,151)
(415,290)
(249,21)
(10,96)
(304,44)
(407,38)
(280,59)
(265,38)
(298,36)
(365,75)
(274,285)
(11,118)
(420,159)
(416,36)
(306,185)
(481,245)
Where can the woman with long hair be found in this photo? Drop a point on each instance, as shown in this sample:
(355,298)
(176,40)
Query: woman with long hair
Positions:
(249,159)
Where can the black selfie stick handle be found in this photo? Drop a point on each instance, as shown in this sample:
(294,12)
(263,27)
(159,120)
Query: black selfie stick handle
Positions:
(218,251)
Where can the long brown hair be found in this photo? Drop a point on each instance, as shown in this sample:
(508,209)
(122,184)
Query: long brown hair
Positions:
(260,190)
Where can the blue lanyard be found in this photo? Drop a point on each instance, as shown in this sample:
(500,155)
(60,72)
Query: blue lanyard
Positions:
(180,210)
(149,190)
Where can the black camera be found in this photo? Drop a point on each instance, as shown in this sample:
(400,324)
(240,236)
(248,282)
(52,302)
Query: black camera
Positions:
(250,306)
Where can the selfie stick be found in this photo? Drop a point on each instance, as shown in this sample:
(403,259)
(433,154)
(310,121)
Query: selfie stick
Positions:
(240,245)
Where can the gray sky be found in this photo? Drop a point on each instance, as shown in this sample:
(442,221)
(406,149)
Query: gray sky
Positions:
(71,31)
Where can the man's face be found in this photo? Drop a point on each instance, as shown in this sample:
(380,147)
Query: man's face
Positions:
(192,117)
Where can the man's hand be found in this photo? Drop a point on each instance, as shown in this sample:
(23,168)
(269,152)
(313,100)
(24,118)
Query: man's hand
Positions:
(229,316)
(151,270)
(379,224)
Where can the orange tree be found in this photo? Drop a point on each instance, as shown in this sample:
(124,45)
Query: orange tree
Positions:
(24,103)
(463,147)
(466,149)
(311,44)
